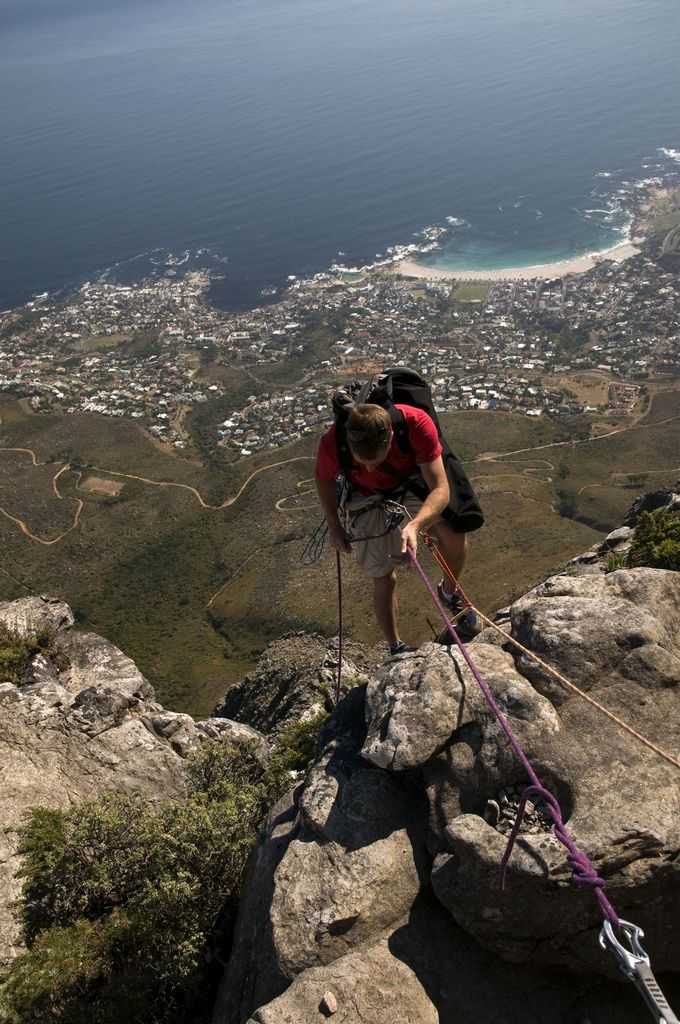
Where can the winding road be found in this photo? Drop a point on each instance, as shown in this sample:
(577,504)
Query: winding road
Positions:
(281,504)
(66,467)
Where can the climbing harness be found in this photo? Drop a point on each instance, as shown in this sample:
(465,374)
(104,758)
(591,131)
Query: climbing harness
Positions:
(394,514)
(632,960)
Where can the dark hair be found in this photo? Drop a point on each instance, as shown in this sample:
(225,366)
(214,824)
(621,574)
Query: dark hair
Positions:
(369,430)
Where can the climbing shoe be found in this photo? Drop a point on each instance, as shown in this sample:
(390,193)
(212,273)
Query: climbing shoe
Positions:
(399,647)
(463,619)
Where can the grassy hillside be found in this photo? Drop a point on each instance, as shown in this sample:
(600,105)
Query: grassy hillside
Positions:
(193,594)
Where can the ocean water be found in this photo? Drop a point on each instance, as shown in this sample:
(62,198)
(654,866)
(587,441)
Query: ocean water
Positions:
(284,135)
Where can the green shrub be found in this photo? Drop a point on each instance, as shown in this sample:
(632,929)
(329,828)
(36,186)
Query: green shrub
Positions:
(127,905)
(615,560)
(154,886)
(52,983)
(656,542)
(16,653)
(297,744)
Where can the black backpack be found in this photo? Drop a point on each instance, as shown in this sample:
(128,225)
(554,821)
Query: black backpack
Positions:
(403,386)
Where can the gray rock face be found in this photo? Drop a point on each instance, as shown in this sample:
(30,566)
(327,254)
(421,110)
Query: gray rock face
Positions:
(85,723)
(237,733)
(56,752)
(619,537)
(96,663)
(614,636)
(336,868)
(358,988)
(418,702)
(423,730)
(32,615)
(428,969)
(651,501)
(294,680)
(598,630)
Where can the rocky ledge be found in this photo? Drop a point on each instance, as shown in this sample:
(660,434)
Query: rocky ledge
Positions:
(82,721)
(373,894)
(380,874)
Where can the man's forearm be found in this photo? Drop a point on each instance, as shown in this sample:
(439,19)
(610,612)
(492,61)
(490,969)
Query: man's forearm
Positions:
(329,501)
(432,507)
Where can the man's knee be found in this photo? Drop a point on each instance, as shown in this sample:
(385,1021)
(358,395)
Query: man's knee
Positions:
(386,582)
(444,534)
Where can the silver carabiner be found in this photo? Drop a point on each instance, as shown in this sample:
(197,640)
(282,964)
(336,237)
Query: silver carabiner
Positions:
(634,963)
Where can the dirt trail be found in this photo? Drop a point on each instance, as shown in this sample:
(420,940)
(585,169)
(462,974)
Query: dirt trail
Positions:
(280,505)
(492,457)
(25,529)
(187,487)
(610,482)
(495,456)
(23,526)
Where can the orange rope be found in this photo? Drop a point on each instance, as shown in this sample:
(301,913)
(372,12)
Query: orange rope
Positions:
(441,561)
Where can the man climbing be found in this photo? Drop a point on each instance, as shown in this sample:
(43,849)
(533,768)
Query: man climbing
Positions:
(377,470)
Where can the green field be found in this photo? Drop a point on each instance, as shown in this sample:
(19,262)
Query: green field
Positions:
(101,342)
(470,291)
(142,568)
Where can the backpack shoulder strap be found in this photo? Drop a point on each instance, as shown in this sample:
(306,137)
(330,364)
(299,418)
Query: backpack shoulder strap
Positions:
(342,404)
(400,428)
(380,396)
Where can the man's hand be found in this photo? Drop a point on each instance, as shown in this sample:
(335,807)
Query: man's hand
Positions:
(409,540)
(339,540)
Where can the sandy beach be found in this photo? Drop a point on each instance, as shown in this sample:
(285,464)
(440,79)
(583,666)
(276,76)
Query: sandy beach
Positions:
(620,252)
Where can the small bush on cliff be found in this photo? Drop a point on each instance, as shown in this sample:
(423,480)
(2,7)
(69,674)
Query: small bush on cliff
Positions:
(293,753)
(16,653)
(657,541)
(127,905)
(123,899)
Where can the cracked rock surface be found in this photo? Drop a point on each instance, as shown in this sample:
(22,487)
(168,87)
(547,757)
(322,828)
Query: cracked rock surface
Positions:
(84,721)
(293,681)
(400,803)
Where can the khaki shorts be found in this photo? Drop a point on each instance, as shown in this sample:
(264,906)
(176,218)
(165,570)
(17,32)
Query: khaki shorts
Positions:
(364,516)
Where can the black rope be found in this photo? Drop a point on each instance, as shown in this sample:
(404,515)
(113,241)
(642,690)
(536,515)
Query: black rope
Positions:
(339,570)
(313,550)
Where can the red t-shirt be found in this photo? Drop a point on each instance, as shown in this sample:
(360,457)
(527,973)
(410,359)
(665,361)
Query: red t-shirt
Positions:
(425,445)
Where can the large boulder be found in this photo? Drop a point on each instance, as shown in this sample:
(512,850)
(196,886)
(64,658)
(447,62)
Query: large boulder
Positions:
(358,987)
(616,637)
(332,886)
(336,867)
(293,681)
(95,663)
(31,616)
(419,701)
(599,630)
(427,969)
(83,721)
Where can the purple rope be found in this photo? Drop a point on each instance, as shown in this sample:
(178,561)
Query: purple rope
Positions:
(582,868)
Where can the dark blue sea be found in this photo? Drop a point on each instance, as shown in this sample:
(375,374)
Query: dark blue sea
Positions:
(278,134)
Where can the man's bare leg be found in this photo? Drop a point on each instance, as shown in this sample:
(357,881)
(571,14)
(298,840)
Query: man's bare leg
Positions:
(385,604)
(453,547)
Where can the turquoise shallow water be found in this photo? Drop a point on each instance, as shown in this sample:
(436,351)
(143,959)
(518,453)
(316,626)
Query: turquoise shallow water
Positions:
(282,133)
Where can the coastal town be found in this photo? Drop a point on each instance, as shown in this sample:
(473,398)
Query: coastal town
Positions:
(155,351)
